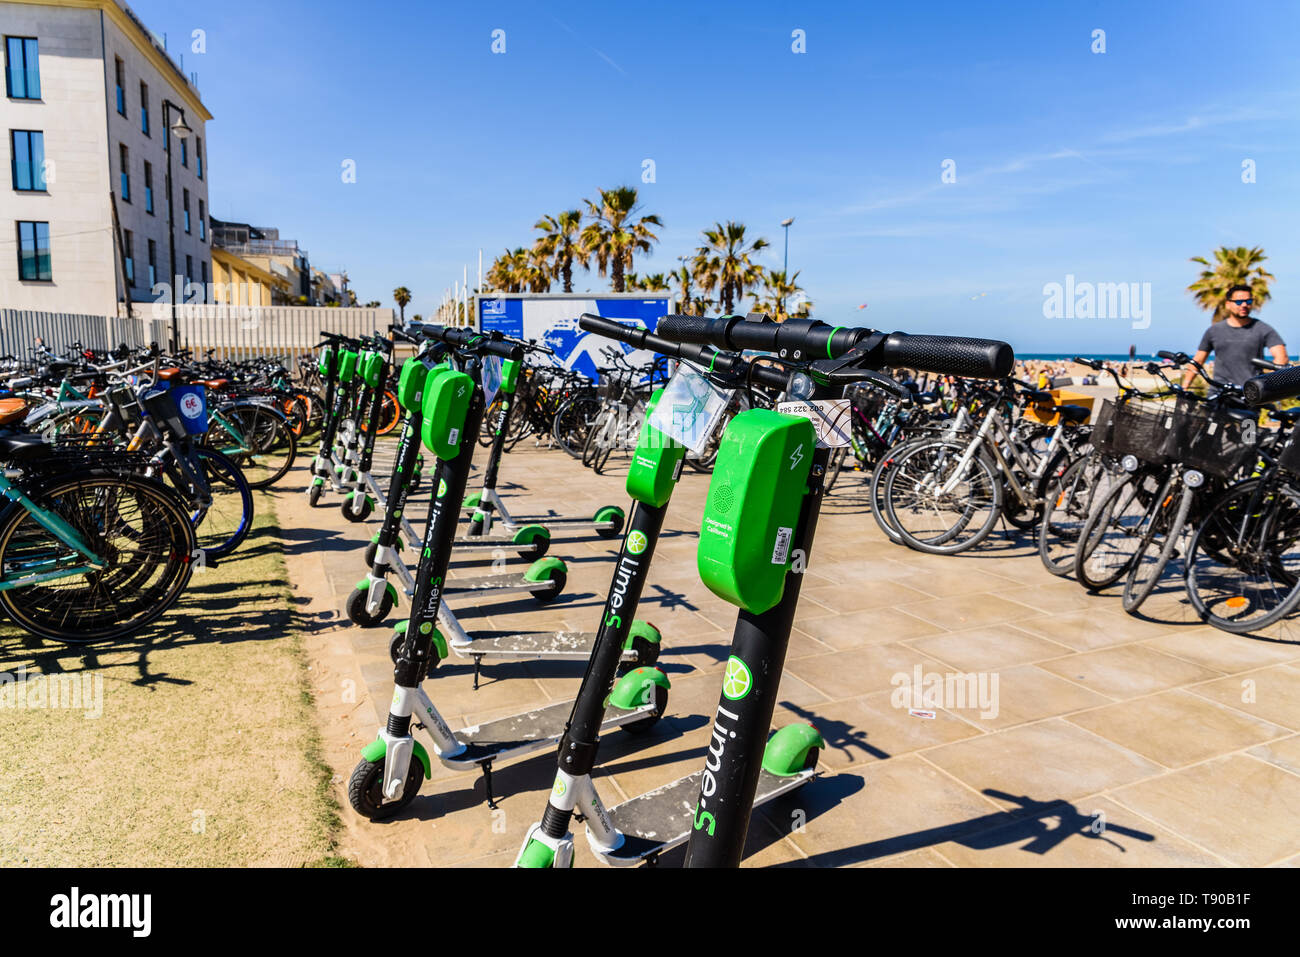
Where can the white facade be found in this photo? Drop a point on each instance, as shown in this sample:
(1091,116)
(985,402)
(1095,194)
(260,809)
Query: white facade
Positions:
(80,45)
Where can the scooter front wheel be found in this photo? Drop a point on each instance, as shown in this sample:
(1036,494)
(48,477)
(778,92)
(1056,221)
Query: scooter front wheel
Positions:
(358,614)
(366,790)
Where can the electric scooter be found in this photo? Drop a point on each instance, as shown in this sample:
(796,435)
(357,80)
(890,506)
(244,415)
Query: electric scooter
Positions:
(394,766)
(756,537)
(333,362)
(374,597)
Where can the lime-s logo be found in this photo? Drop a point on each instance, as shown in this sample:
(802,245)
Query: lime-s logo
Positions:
(637,542)
(559,788)
(703,819)
(442,488)
(737,681)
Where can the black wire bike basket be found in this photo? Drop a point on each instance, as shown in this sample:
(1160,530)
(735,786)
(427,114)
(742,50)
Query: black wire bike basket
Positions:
(1143,430)
(1215,440)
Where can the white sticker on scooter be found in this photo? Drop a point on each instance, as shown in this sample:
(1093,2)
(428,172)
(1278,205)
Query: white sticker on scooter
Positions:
(832,418)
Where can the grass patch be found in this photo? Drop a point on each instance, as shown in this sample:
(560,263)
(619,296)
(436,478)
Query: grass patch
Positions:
(206,753)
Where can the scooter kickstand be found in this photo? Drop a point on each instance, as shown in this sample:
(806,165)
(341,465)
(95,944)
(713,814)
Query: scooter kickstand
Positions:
(487,785)
(478,663)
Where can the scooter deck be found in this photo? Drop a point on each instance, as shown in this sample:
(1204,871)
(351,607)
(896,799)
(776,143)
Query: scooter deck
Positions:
(550,521)
(554,645)
(485,543)
(497,583)
(659,820)
(528,731)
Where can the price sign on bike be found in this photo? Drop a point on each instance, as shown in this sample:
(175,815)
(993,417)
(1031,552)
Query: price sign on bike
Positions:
(690,409)
(491,379)
(832,418)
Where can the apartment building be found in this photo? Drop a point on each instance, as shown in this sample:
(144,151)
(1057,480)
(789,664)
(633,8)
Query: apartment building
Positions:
(95,114)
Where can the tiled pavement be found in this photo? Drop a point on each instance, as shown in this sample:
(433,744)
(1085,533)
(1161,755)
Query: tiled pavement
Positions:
(1117,741)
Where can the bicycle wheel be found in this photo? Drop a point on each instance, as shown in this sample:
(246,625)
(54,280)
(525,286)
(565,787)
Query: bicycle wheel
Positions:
(598,428)
(833,467)
(879,482)
(1243,563)
(936,504)
(265,447)
(1069,498)
(220,502)
(1110,537)
(135,524)
(573,421)
(390,413)
(1164,525)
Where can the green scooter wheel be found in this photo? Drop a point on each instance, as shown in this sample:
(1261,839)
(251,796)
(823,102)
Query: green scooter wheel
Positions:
(366,790)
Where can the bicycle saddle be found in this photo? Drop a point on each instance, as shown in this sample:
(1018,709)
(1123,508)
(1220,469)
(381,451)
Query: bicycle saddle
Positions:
(1076,414)
(12,411)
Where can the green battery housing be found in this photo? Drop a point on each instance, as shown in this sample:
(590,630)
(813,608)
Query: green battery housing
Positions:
(752,511)
(372,365)
(446,402)
(347,365)
(509,376)
(656,462)
(411,383)
(326,361)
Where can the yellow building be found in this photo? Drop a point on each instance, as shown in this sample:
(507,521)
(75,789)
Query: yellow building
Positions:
(238,282)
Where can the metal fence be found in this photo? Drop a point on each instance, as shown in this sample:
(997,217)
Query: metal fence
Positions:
(236,332)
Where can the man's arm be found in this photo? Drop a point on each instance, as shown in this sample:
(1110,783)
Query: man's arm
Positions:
(1279,354)
(1190,373)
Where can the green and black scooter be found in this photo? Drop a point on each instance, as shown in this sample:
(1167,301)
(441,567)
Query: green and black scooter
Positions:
(394,766)
(485,507)
(756,537)
(338,359)
(374,597)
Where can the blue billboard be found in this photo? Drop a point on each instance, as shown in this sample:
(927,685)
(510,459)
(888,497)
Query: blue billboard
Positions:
(553,321)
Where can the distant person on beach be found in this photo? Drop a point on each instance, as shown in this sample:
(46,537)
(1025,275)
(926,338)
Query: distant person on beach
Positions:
(1237,340)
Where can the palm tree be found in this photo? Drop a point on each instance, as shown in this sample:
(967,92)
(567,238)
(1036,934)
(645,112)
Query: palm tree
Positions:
(402,296)
(782,297)
(614,235)
(655,282)
(561,241)
(1232,267)
(724,263)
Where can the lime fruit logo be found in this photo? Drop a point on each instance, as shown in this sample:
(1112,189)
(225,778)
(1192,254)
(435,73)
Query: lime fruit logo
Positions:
(442,488)
(559,788)
(737,681)
(637,542)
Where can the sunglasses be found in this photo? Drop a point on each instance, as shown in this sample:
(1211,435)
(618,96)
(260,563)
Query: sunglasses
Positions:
(1241,302)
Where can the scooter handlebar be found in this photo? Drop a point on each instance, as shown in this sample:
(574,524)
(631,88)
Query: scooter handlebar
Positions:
(1273,387)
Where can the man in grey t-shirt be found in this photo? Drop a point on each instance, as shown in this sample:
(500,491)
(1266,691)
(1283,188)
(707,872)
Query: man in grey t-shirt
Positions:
(1237,340)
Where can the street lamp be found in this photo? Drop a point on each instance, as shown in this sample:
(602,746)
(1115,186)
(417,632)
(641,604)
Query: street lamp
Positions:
(786,224)
(181,129)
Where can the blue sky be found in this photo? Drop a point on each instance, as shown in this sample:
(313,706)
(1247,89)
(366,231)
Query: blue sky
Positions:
(1111,167)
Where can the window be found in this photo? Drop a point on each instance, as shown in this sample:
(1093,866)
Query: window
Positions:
(153,263)
(144,108)
(34,252)
(124,158)
(148,187)
(28,152)
(186,206)
(128,256)
(203,221)
(22,68)
(203,274)
(120,68)
(189,268)
(198,156)
(185,153)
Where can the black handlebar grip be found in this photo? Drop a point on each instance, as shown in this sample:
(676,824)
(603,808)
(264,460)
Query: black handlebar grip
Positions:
(613,329)
(1273,387)
(950,355)
(696,330)
(1177,357)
